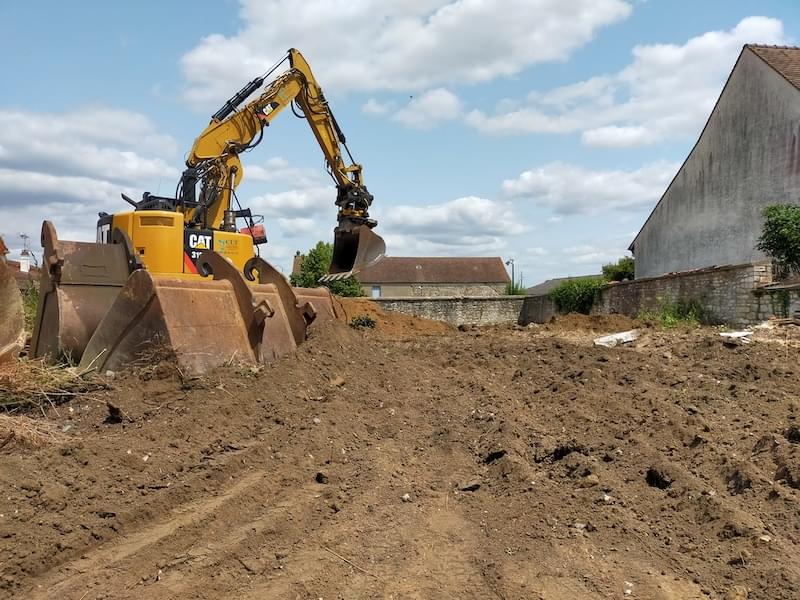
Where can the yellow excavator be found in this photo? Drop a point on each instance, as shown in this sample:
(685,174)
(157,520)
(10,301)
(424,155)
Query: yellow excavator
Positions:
(178,276)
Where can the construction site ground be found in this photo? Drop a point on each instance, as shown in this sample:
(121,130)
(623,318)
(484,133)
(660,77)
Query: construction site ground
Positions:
(415,460)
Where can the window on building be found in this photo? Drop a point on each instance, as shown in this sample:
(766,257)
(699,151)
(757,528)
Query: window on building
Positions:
(376,291)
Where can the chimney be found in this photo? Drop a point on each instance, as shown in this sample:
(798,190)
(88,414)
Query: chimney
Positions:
(297,263)
(24,261)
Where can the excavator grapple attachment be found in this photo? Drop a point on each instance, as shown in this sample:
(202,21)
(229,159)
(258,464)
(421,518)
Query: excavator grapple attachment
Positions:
(100,307)
(12,321)
(354,248)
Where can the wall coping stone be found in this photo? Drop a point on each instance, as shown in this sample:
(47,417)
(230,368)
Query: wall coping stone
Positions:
(448,298)
(703,271)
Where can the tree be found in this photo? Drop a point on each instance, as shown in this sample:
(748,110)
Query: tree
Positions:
(780,236)
(315,264)
(622,269)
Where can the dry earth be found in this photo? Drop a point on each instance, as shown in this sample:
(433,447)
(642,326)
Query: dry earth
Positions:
(418,461)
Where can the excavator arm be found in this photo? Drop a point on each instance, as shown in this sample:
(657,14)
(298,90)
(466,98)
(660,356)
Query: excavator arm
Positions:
(214,161)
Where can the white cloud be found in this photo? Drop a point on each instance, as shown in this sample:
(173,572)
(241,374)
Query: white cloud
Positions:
(588,254)
(569,189)
(279,170)
(299,227)
(377,108)
(66,167)
(301,201)
(427,110)
(667,90)
(395,45)
(95,142)
(464,226)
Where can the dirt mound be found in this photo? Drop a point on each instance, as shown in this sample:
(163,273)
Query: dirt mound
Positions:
(591,323)
(391,323)
(483,464)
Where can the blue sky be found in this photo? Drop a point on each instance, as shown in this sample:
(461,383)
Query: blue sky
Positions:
(543,130)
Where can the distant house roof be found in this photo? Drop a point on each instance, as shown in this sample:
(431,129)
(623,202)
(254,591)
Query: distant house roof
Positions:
(784,59)
(544,288)
(429,269)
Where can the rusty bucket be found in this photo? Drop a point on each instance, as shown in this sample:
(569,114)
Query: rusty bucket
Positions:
(12,320)
(99,306)
(203,323)
(78,283)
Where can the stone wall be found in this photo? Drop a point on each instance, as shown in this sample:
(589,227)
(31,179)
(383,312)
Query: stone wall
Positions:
(537,309)
(434,290)
(733,295)
(497,310)
(729,294)
(783,301)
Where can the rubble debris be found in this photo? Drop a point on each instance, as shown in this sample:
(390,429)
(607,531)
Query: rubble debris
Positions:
(624,337)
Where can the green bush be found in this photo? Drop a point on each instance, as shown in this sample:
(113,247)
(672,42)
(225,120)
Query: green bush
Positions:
(577,295)
(30,300)
(622,269)
(315,264)
(780,236)
(515,289)
(362,322)
(671,313)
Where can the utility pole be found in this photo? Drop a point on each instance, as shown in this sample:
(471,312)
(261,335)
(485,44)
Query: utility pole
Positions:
(510,261)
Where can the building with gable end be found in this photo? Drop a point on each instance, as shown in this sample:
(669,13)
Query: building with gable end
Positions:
(747,157)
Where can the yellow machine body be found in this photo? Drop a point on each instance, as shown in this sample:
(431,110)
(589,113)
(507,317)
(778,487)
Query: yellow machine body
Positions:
(165,246)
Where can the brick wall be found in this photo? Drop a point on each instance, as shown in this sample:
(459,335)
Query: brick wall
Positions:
(497,310)
(729,293)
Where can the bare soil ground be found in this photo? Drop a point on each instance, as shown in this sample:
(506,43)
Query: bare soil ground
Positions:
(391,463)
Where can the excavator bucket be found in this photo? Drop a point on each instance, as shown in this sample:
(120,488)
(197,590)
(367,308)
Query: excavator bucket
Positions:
(78,284)
(354,248)
(99,306)
(12,321)
(204,323)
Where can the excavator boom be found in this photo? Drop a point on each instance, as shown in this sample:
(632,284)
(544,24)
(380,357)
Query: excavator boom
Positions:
(237,127)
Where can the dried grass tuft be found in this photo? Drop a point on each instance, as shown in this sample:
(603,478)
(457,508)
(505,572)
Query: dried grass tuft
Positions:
(25,431)
(33,383)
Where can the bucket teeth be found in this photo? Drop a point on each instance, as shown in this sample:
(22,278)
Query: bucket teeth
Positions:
(336,276)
